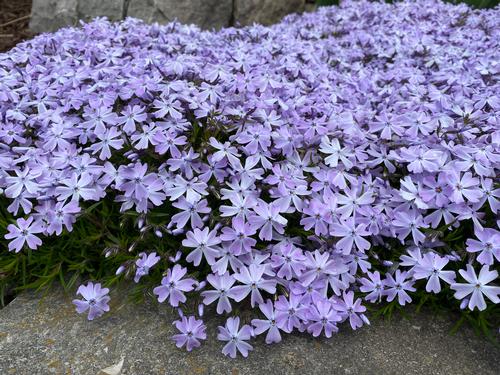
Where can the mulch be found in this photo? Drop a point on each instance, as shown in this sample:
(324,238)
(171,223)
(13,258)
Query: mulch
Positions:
(14,20)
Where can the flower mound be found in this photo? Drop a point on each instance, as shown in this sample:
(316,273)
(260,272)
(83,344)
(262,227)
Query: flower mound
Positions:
(339,158)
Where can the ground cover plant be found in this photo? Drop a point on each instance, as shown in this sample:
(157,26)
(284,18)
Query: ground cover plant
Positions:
(339,161)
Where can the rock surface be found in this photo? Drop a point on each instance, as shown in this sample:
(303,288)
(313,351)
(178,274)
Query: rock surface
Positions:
(266,12)
(204,13)
(50,15)
(46,336)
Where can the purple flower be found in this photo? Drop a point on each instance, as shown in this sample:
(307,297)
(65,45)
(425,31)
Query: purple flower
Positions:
(131,116)
(235,337)
(398,287)
(95,300)
(224,290)
(289,312)
(190,212)
(322,317)
(144,264)
(110,139)
(191,331)
(78,187)
(267,218)
(336,153)
(269,324)
(351,235)
(239,235)
(488,245)
(289,260)
(193,189)
(173,286)
(407,222)
(464,186)
(62,215)
(224,151)
(373,286)
(24,233)
(430,267)
(318,264)
(316,212)
(477,287)
(23,181)
(252,278)
(204,242)
(348,308)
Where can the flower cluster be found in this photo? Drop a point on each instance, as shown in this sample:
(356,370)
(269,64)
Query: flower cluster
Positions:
(340,157)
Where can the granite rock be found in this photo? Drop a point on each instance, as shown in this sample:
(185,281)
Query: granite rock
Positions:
(45,336)
(205,13)
(50,15)
(265,12)
(114,10)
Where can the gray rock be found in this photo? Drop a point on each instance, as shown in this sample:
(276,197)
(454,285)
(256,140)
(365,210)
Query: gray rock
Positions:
(45,335)
(204,13)
(113,9)
(265,12)
(50,15)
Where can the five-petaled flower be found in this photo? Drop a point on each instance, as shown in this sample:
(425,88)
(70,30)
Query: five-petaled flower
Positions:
(95,300)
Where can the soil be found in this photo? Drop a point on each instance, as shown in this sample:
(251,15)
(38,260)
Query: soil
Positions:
(14,20)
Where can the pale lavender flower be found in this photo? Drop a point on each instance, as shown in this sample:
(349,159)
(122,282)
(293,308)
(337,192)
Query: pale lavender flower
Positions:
(269,324)
(477,287)
(430,267)
(372,285)
(351,309)
(290,312)
(224,290)
(252,277)
(239,235)
(95,300)
(205,243)
(191,331)
(24,233)
(488,245)
(236,337)
(351,234)
(322,317)
(173,286)
(267,218)
(144,264)
(398,286)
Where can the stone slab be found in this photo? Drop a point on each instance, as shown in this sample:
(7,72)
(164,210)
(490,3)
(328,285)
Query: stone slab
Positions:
(46,336)
(205,13)
(265,12)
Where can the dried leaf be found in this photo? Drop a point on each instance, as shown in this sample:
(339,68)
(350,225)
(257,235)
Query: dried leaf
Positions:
(113,370)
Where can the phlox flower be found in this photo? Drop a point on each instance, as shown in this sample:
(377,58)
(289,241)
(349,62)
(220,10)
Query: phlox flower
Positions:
(24,233)
(191,331)
(252,278)
(430,267)
(173,286)
(95,300)
(236,337)
(398,286)
(269,324)
(477,287)
(322,317)
(144,264)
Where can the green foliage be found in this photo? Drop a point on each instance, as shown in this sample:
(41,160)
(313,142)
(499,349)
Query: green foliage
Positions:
(473,3)
(79,255)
